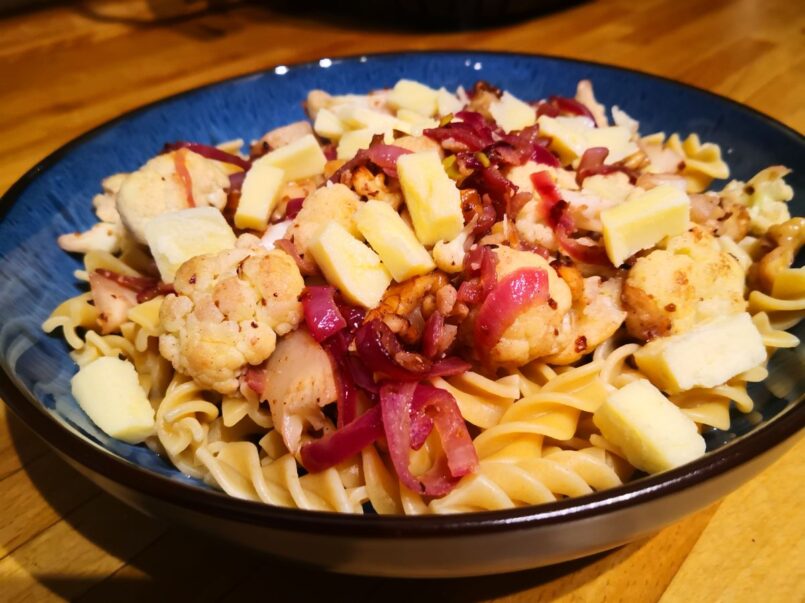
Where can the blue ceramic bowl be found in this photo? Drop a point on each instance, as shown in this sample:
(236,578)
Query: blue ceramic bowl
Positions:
(35,275)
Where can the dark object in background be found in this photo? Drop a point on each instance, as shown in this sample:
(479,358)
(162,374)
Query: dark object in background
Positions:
(441,15)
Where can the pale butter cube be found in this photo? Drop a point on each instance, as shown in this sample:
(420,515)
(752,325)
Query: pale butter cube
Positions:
(709,354)
(408,94)
(431,196)
(350,266)
(644,221)
(259,195)
(327,125)
(789,283)
(302,158)
(388,234)
(109,391)
(511,113)
(653,433)
(447,103)
(175,237)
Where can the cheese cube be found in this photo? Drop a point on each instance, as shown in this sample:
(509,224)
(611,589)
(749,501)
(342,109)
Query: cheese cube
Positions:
(393,240)
(109,391)
(408,94)
(358,117)
(789,283)
(571,136)
(300,159)
(259,194)
(350,266)
(709,354)
(352,142)
(644,221)
(512,114)
(431,196)
(417,121)
(327,125)
(175,237)
(447,102)
(653,433)
(615,138)
(568,135)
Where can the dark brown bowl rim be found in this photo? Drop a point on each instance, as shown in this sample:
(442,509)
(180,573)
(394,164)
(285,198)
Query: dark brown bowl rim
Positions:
(129,475)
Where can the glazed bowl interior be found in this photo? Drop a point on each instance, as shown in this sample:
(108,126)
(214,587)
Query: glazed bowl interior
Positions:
(54,198)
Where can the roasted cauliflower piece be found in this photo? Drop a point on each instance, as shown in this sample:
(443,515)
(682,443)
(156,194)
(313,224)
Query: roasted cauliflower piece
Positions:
(334,203)
(157,188)
(669,290)
(539,330)
(596,315)
(296,396)
(227,311)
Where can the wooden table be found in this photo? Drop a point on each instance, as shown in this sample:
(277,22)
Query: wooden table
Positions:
(66,69)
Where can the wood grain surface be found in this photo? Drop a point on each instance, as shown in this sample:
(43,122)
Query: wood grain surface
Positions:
(67,68)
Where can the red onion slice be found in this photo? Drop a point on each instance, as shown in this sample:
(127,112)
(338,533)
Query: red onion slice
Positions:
(344,442)
(398,401)
(322,316)
(145,287)
(510,298)
(209,152)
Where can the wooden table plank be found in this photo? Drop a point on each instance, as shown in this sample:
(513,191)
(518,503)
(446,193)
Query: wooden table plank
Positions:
(74,66)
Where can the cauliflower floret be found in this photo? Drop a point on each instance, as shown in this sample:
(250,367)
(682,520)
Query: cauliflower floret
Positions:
(296,396)
(156,188)
(599,192)
(596,317)
(531,228)
(671,290)
(538,330)
(765,195)
(227,311)
(335,203)
(449,255)
(586,96)
(100,237)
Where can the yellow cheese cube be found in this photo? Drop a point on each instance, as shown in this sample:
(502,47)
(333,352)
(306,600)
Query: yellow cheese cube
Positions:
(109,391)
(644,221)
(432,198)
(393,240)
(571,136)
(408,94)
(512,114)
(350,266)
(709,354)
(259,195)
(300,159)
(615,138)
(447,102)
(653,433)
(416,121)
(327,125)
(175,237)
(568,135)
(789,284)
(358,117)
(352,142)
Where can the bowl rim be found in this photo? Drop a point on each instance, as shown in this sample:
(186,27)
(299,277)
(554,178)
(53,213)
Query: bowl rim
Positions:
(186,495)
